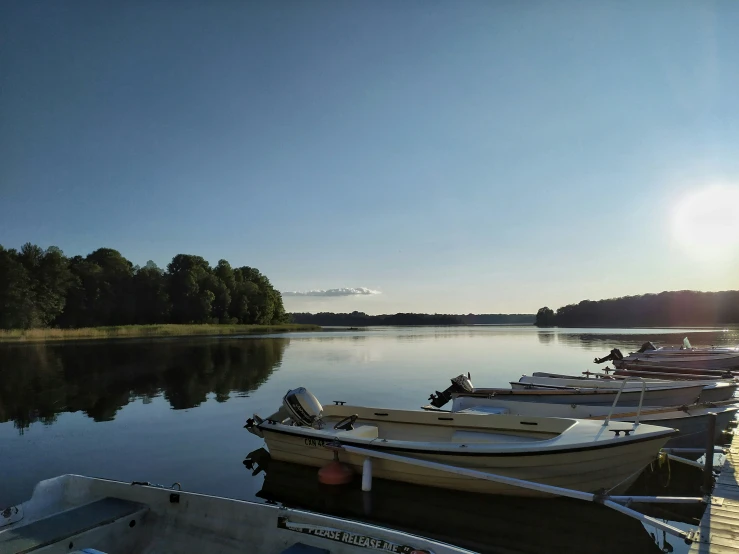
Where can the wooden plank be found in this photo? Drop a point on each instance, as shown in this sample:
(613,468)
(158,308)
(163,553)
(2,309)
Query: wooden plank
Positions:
(712,549)
(719,526)
(724,514)
(730,514)
(730,504)
(721,529)
(717,539)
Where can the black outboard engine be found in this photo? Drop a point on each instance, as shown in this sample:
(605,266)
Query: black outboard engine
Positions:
(615,355)
(461,383)
(645,347)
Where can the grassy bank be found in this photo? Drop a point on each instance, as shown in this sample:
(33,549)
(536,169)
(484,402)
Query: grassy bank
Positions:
(137,331)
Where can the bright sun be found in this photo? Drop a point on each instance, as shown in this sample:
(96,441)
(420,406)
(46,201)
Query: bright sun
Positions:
(707,221)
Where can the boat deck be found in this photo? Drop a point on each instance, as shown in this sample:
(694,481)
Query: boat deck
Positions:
(719,527)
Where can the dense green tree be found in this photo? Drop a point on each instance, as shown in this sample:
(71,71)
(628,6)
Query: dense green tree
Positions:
(113,304)
(50,279)
(264,303)
(666,309)
(82,294)
(221,299)
(17,299)
(545,317)
(150,295)
(192,302)
(42,287)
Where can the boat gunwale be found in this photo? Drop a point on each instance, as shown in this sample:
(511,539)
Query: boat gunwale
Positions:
(680,412)
(480,391)
(301,515)
(462,449)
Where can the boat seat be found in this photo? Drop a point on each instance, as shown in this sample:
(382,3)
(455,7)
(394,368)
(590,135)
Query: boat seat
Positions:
(360,432)
(61,526)
(302,548)
(481,436)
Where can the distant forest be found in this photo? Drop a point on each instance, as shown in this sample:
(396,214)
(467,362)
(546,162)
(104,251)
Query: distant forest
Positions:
(666,309)
(44,288)
(361,319)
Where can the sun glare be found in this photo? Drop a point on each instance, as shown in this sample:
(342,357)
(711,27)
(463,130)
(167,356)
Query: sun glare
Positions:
(707,221)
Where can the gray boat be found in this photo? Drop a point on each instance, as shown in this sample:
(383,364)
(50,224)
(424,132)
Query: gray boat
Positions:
(656,396)
(75,514)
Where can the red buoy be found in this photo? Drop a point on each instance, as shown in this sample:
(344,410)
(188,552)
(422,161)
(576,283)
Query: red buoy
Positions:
(335,473)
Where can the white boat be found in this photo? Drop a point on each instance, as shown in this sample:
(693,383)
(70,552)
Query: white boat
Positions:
(79,514)
(684,356)
(656,396)
(568,453)
(690,422)
(713,391)
(674,374)
(663,396)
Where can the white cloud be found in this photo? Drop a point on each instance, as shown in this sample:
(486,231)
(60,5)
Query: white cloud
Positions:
(344,291)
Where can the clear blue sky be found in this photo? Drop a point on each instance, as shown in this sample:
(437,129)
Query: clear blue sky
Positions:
(470,156)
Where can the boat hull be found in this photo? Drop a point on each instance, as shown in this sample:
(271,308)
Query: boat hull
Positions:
(654,397)
(692,431)
(170,521)
(585,469)
(702,372)
(713,391)
(691,423)
(695,360)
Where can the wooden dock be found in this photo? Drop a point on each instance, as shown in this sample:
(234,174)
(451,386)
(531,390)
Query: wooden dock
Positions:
(719,527)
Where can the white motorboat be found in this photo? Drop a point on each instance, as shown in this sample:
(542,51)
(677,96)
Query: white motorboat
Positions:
(713,391)
(656,396)
(670,373)
(716,358)
(569,453)
(690,422)
(75,514)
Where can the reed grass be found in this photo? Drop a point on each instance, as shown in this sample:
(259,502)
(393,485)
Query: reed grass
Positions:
(137,331)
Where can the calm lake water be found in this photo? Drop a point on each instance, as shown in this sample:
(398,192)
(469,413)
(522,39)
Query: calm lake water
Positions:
(170,410)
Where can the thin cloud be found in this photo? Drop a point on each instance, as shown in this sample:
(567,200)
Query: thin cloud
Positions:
(344,291)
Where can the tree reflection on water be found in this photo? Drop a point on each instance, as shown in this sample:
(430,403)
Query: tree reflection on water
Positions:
(40,381)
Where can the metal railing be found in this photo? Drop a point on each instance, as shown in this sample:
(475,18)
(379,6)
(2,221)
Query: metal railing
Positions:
(618,395)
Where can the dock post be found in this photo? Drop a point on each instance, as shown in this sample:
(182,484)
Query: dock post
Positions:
(367,475)
(708,466)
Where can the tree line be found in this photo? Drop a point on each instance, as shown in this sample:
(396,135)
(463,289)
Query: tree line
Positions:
(42,288)
(666,309)
(361,319)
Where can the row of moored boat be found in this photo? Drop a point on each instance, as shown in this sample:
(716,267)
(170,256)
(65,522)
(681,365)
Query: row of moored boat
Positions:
(549,429)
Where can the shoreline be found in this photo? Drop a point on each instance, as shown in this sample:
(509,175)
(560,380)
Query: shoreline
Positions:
(169,330)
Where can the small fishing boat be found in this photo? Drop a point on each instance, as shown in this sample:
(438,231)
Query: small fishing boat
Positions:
(674,373)
(568,453)
(655,396)
(690,422)
(683,356)
(713,391)
(79,514)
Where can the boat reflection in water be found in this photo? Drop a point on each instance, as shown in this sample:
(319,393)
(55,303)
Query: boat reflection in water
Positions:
(479,522)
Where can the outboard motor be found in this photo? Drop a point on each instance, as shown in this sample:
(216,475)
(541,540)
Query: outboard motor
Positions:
(646,347)
(303,407)
(615,355)
(461,383)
